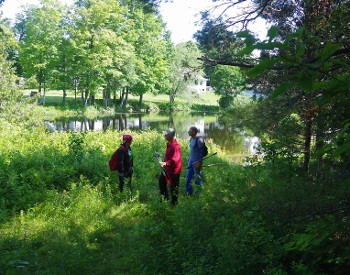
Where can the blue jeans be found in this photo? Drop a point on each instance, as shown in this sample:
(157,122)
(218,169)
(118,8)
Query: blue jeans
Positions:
(190,173)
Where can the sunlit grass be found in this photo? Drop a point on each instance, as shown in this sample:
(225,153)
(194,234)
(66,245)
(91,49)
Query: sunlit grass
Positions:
(73,107)
(54,97)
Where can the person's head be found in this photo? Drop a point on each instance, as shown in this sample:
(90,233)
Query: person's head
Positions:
(169,134)
(127,139)
(193,131)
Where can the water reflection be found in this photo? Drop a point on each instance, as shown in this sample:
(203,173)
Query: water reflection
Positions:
(235,142)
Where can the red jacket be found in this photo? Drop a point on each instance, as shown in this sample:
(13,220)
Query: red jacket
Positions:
(172,158)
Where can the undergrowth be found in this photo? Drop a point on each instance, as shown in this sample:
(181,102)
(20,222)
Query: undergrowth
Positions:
(62,213)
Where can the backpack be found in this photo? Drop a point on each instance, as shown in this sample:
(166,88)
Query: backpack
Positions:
(205,148)
(113,162)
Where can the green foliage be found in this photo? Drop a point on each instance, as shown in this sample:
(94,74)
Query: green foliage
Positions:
(184,69)
(8,88)
(227,82)
(61,212)
(93,46)
(59,200)
(225,101)
(39,47)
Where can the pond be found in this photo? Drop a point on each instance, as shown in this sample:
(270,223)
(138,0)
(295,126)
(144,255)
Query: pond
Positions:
(235,142)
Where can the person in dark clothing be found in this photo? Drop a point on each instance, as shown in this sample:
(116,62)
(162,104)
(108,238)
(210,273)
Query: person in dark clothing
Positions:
(172,165)
(125,162)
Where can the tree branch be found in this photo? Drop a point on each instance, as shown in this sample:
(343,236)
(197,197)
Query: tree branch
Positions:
(224,62)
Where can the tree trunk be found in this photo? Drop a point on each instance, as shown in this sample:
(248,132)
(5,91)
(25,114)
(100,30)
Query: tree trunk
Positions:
(122,122)
(115,97)
(308,120)
(64,97)
(124,98)
(140,101)
(92,99)
(106,97)
(171,121)
(75,90)
(44,97)
(140,122)
(85,98)
(173,94)
(40,80)
(307,143)
(121,98)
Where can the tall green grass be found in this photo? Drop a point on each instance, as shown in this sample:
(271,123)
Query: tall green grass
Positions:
(62,213)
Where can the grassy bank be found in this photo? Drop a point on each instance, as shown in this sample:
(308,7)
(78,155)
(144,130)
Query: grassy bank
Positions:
(53,107)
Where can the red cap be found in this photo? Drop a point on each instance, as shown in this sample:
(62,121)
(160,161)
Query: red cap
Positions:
(127,138)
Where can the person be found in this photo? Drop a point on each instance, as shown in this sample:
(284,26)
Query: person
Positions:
(125,162)
(172,165)
(194,165)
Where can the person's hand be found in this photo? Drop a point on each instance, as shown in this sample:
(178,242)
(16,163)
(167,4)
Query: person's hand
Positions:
(198,165)
(162,163)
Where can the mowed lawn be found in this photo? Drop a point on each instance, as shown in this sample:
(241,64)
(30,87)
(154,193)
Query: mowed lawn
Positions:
(54,97)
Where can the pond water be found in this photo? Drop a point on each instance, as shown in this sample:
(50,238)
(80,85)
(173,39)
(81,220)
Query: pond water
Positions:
(235,142)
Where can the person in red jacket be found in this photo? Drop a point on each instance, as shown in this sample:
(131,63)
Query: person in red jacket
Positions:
(172,166)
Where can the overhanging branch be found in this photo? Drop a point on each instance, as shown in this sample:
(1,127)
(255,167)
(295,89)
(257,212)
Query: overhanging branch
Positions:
(223,62)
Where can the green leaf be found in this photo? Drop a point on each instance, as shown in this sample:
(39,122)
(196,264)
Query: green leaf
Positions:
(246,51)
(272,32)
(269,46)
(261,67)
(306,83)
(281,89)
(249,38)
(328,50)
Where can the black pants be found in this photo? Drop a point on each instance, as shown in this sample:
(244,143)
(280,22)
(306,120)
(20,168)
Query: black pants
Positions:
(174,188)
(123,181)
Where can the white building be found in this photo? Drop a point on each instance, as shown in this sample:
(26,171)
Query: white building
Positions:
(200,85)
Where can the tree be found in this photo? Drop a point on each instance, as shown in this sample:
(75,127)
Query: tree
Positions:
(227,82)
(185,68)
(302,66)
(10,97)
(38,45)
(63,75)
(218,42)
(8,87)
(99,45)
(150,46)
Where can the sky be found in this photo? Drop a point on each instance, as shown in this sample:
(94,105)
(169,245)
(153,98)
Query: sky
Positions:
(180,15)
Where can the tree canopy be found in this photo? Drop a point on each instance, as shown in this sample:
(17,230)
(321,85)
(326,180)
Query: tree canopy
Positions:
(302,65)
(94,45)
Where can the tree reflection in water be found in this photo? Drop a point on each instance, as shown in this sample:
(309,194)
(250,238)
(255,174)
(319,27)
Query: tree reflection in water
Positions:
(233,141)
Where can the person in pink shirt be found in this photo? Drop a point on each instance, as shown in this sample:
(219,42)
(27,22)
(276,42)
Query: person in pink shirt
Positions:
(172,166)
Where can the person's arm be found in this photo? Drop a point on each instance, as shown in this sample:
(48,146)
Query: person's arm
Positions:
(121,157)
(169,162)
(200,142)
